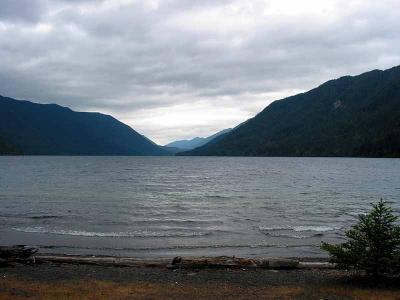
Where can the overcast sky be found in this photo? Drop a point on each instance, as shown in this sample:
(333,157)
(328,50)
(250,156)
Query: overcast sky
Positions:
(178,69)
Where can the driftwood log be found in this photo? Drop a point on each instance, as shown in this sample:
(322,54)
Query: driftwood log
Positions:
(21,254)
(223,262)
(233,263)
(227,262)
(24,254)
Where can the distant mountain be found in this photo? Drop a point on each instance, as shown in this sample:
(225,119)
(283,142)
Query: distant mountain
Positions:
(349,116)
(172,150)
(50,129)
(195,142)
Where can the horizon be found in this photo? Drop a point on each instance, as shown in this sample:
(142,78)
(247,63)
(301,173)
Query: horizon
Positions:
(166,144)
(175,71)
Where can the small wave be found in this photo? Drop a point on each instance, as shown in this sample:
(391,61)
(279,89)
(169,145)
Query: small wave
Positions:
(355,213)
(217,197)
(40,217)
(178,207)
(178,247)
(174,221)
(29,216)
(274,228)
(314,228)
(292,236)
(137,234)
(298,228)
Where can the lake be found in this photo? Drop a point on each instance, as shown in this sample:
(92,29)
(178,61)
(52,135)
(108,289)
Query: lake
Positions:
(167,206)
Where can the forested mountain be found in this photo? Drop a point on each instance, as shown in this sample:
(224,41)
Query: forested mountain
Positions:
(50,129)
(349,116)
(6,149)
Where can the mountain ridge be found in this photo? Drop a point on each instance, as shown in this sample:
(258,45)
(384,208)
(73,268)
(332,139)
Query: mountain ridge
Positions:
(349,116)
(50,129)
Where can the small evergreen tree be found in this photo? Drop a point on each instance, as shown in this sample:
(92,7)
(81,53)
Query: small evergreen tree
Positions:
(373,243)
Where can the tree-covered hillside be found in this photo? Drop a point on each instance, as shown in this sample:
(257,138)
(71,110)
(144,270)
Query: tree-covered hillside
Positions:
(49,129)
(349,116)
(6,149)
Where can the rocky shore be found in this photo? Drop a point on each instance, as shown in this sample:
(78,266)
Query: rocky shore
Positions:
(50,277)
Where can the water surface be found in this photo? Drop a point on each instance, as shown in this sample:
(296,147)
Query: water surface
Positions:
(167,206)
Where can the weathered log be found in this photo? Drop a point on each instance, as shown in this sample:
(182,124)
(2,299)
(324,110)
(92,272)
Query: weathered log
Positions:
(233,263)
(25,255)
(18,253)
(245,263)
(100,261)
(282,264)
(211,262)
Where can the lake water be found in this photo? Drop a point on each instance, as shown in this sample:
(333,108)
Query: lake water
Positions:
(168,206)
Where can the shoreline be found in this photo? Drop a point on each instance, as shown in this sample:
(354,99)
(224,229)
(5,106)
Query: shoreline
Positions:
(62,276)
(55,278)
(22,254)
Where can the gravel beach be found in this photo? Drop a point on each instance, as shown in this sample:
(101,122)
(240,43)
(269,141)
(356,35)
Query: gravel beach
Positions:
(77,281)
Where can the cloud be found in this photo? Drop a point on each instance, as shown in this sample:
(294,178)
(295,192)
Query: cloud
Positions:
(175,69)
(21,11)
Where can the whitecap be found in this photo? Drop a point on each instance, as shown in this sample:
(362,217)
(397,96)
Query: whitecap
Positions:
(139,234)
(298,228)
(274,228)
(314,228)
(291,236)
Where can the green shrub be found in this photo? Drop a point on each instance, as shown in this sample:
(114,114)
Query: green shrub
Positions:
(373,244)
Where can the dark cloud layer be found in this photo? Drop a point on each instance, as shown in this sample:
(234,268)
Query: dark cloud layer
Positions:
(21,10)
(174,69)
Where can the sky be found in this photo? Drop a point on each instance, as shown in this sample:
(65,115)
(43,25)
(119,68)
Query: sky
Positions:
(178,69)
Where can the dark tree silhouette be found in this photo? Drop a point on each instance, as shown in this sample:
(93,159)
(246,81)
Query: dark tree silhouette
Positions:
(373,243)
